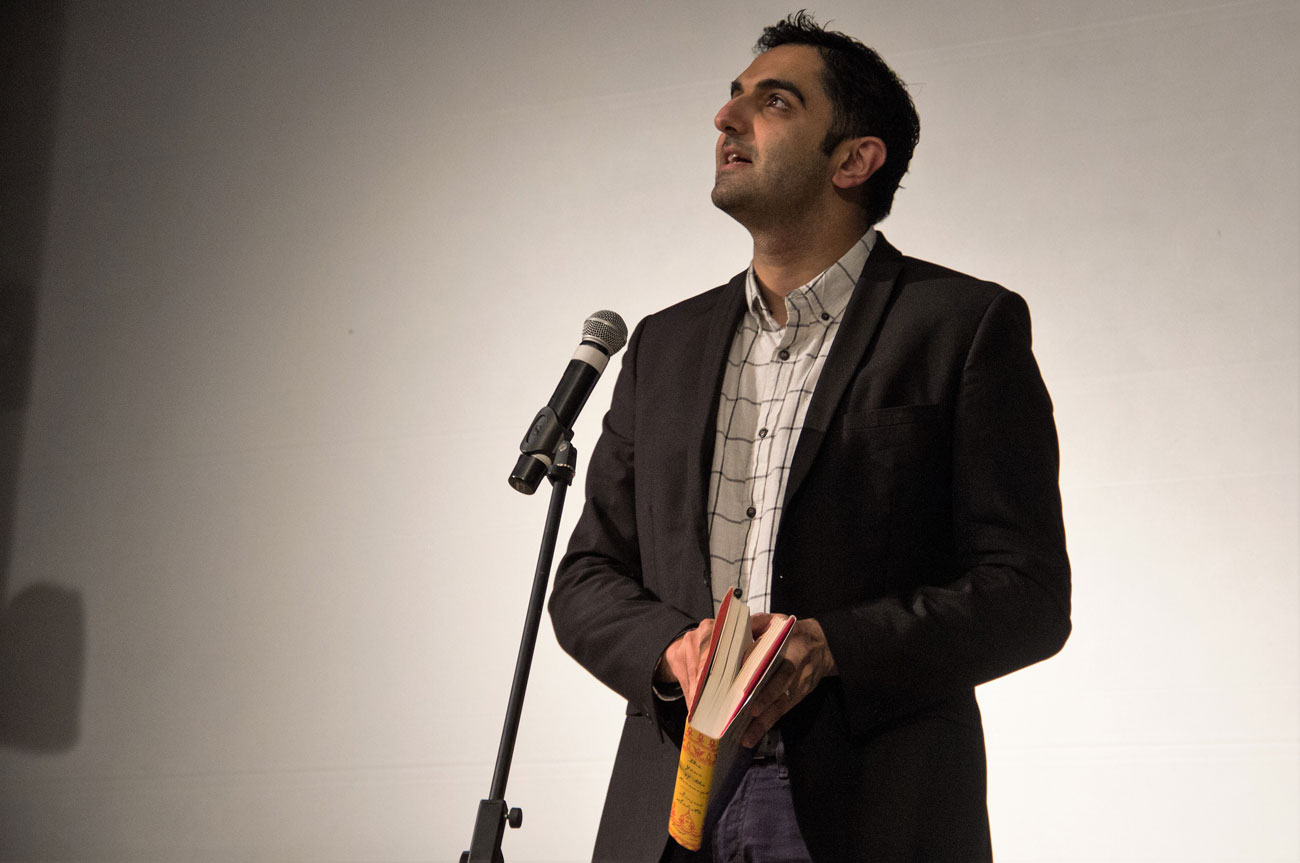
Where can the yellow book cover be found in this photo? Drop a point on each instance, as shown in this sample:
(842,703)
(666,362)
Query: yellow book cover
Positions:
(734,668)
(691,794)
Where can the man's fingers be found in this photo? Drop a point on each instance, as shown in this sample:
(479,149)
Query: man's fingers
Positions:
(690,674)
(685,656)
(774,689)
(806,661)
(761,620)
(754,733)
(696,649)
(770,703)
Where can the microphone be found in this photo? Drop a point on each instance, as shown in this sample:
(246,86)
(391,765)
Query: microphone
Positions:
(603,335)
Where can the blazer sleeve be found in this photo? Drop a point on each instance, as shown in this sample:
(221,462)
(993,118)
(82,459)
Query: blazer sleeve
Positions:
(603,614)
(1009,605)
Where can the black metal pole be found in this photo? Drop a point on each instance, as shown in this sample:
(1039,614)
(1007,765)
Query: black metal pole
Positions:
(493,813)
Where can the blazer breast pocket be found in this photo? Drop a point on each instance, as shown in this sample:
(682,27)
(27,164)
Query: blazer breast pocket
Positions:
(904,450)
(901,457)
(886,418)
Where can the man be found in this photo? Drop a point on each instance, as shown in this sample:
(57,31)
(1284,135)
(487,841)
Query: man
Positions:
(851,436)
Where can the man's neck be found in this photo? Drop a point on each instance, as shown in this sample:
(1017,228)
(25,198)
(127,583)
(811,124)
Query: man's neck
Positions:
(787,260)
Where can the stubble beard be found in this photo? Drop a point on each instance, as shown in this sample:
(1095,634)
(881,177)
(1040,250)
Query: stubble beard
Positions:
(772,200)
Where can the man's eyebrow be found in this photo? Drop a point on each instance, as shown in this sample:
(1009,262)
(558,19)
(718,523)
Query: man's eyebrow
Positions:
(773,84)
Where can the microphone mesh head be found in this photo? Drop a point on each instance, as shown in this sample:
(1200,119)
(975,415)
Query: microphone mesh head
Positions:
(606,329)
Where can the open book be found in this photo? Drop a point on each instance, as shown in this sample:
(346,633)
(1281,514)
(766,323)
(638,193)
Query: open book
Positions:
(735,667)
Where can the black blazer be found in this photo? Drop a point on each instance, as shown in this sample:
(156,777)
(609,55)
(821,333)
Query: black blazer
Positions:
(922,529)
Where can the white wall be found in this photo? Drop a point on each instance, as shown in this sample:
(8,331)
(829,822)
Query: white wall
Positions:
(306,270)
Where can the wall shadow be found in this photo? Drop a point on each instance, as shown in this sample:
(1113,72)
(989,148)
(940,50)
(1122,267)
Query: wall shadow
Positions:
(42,628)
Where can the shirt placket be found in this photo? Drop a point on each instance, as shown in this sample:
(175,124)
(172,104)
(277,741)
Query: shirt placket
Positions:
(770,440)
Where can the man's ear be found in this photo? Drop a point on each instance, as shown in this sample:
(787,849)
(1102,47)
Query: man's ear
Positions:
(857,159)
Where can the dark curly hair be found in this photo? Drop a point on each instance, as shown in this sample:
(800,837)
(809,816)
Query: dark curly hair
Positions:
(867,98)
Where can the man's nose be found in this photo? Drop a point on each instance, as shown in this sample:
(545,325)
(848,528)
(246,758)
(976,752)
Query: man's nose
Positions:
(732,118)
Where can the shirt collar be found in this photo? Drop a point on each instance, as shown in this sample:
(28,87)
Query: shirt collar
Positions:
(821,299)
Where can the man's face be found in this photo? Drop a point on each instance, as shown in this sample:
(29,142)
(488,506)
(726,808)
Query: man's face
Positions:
(770,166)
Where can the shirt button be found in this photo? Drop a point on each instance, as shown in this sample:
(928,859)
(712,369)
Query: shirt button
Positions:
(762,432)
(826,316)
(751,512)
(785,355)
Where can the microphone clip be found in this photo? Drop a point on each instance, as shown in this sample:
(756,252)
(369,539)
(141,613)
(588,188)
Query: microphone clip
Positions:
(544,449)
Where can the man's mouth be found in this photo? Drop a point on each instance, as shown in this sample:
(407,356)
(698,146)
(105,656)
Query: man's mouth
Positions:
(732,157)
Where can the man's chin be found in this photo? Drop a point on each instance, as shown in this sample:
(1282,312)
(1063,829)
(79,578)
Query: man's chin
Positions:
(727,200)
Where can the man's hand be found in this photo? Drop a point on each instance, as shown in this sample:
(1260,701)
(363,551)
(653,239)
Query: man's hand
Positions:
(805,662)
(683,659)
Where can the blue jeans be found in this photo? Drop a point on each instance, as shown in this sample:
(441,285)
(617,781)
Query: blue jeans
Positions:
(758,824)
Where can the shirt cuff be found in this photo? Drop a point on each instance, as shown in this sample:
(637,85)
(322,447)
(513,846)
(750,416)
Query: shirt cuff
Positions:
(664,691)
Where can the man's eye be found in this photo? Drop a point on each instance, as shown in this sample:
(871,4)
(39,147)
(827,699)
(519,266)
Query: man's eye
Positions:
(777,100)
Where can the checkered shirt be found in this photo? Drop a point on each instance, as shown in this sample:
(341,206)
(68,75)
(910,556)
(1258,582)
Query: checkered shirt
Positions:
(770,377)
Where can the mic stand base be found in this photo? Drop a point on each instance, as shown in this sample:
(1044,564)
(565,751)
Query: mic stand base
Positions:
(489,828)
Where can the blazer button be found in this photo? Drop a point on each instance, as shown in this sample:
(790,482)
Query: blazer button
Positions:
(784,354)
(751,512)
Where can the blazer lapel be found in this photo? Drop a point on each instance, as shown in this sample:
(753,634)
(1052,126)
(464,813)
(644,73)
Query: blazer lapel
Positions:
(862,318)
(702,415)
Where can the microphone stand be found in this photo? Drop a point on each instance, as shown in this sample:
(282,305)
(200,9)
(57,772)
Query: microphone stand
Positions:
(493,813)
